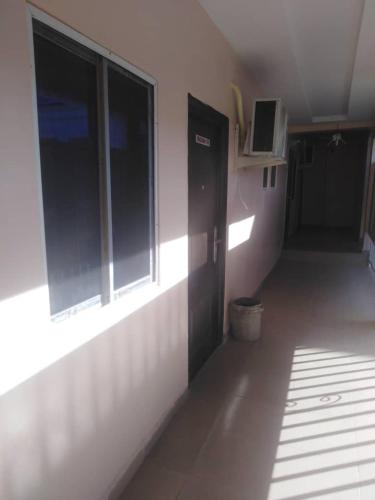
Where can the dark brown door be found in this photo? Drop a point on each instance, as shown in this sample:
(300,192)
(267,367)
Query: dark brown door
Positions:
(208,158)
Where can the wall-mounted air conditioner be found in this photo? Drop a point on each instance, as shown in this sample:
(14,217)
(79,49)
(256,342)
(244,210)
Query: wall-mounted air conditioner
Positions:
(269,129)
(264,143)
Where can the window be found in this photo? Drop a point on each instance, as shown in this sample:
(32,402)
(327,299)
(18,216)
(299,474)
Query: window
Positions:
(96,153)
(265,177)
(273,176)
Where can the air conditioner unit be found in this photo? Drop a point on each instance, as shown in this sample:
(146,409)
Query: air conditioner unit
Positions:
(269,129)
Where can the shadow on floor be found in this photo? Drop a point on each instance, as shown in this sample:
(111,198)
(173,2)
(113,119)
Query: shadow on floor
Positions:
(290,417)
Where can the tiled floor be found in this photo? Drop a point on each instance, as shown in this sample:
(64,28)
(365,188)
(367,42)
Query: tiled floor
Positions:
(289,417)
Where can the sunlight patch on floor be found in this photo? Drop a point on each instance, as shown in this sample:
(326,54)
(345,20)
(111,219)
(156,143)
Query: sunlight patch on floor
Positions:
(327,441)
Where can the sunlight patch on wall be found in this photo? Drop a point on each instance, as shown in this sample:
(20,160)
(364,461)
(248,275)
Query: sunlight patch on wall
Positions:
(30,341)
(240,232)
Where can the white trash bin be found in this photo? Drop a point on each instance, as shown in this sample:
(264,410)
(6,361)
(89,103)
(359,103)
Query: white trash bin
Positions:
(246,318)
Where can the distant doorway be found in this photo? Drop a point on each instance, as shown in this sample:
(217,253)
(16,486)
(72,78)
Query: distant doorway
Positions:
(325,191)
(207,171)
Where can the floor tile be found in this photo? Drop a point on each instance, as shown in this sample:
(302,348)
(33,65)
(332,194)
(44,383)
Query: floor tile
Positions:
(238,460)
(367,481)
(178,447)
(153,482)
(335,483)
(200,488)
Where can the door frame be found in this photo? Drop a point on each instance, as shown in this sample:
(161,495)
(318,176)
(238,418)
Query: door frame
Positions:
(203,111)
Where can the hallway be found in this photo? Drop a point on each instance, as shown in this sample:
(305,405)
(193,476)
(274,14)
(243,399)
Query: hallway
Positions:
(290,417)
(325,240)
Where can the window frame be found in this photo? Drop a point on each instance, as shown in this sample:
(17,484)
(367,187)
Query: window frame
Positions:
(105,58)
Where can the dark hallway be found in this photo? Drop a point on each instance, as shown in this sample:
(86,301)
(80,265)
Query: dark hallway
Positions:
(326,190)
(325,239)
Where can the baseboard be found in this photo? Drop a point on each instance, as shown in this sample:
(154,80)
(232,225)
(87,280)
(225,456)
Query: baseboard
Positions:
(263,281)
(123,478)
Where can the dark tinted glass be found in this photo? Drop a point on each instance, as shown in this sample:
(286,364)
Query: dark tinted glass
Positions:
(265,177)
(67,103)
(130,105)
(273,176)
(264,124)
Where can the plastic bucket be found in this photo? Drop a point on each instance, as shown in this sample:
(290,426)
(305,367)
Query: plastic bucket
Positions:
(246,318)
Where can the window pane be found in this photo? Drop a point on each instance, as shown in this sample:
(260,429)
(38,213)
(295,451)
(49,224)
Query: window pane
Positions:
(265,177)
(67,104)
(264,125)
(273,176)
(130,154)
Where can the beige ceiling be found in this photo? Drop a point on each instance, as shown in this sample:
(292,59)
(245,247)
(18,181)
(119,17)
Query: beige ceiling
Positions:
(318,55)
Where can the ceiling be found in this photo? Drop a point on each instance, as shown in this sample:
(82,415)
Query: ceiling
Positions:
(318,55)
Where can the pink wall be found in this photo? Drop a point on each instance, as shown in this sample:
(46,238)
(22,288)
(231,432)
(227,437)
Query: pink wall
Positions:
(79,400)
(249,263)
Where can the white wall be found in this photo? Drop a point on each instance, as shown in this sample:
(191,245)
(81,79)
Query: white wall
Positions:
(79,399)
